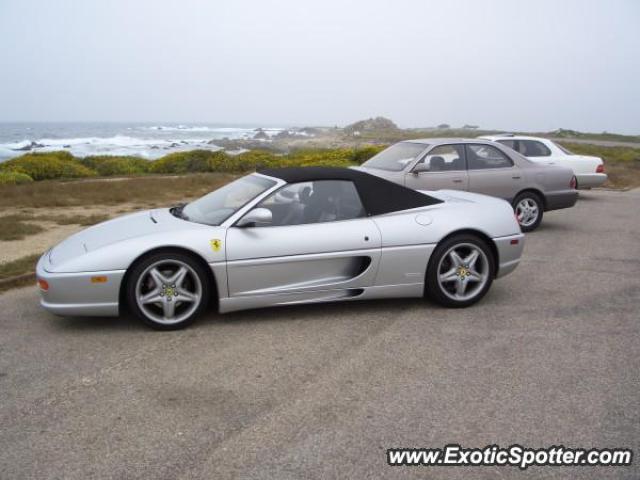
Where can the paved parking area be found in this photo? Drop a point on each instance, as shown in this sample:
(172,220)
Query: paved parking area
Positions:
(551,356)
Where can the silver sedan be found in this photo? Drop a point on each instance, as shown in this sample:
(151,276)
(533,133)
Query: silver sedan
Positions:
(479,166)
(282,237)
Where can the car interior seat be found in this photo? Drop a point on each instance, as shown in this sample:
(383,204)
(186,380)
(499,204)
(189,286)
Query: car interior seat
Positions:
(457,164)
(437,164)
(295,212)
(320,207)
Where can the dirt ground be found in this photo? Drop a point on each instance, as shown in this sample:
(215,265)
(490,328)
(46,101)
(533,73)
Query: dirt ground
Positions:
(53,233)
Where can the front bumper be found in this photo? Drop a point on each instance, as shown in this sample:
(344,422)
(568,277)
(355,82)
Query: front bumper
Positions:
(79,294)
(591,180)
(509,253)
(558,200)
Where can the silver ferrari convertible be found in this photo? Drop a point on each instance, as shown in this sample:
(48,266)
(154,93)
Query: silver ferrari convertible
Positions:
(283,237)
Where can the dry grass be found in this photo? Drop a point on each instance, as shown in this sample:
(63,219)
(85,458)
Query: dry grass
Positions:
(622,175)
(84,220)
(18,267)
(147,191)
(14,227)
(20,225)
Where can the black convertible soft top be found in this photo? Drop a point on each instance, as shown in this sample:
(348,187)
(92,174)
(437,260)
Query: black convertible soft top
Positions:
(377,194)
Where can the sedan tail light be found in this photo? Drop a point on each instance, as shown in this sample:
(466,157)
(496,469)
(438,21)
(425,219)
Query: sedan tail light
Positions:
(573,183)
(600,168)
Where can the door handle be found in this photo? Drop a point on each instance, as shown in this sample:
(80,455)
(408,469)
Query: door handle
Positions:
(516,177)
(457,180)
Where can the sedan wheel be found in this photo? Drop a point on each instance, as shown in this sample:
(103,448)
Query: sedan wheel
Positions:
(528,208)
(460,271)
(168,291)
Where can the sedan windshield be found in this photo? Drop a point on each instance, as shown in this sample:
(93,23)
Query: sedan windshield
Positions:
(215,207)
(563,149)
(396,157)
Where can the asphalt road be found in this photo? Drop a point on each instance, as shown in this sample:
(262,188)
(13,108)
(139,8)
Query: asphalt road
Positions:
(550,356)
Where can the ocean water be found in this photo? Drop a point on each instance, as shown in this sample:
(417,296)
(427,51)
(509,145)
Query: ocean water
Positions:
(146,140)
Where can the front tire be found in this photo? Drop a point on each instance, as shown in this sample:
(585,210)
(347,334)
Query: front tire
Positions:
(460,271)
(529,210)
(168,291)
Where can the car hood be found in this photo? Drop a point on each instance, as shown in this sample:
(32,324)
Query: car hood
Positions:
(138,224)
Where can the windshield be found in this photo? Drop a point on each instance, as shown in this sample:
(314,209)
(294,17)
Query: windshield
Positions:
(215,207)
(563,149)
(396,157)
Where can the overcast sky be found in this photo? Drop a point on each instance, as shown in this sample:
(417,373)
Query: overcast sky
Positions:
(535,65)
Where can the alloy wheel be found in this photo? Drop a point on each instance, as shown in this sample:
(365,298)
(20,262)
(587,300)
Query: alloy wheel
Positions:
(168,291)
(463,271)
(527,211)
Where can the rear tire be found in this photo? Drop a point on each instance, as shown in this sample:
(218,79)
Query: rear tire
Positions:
(529,209)
(167,291)
(460,271)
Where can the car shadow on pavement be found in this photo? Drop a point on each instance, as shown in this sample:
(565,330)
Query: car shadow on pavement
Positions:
(329,310)
(313,312)
(588,196)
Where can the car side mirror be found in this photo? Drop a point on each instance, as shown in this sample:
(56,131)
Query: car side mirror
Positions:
(419,168)
(258,217)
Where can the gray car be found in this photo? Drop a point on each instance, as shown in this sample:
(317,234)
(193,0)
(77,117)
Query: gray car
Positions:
(284,237)
(479,166)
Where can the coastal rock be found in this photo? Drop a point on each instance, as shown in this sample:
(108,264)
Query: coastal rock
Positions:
(371,125)
(260,135)
(311,131)
(28,147)
(284,135)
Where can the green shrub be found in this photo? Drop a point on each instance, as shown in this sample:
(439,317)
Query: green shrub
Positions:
(183,162)
(107,165)
(255,159)
(43,166)
(14,178)
(220,161)
(337,157)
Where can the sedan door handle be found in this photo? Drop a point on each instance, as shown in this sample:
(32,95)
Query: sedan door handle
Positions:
(516,177)
(457,180)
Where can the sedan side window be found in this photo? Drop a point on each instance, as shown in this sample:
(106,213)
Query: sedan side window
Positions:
(509,143)
(480,157)
(533,148)
(445,158)
(314,202)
